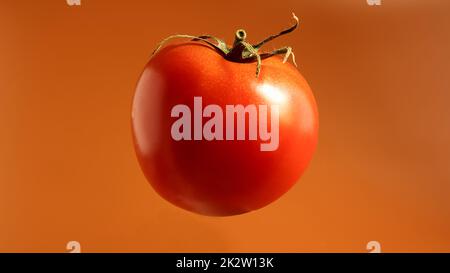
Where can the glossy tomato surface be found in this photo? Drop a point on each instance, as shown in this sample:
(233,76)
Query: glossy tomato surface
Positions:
(227,177)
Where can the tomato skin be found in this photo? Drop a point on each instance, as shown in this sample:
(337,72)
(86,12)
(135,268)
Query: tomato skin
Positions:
(220,178)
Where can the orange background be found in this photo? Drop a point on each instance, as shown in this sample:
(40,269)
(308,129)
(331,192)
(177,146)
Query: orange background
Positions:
(67,165)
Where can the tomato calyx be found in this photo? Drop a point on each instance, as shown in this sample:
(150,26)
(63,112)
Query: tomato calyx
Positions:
(241,51)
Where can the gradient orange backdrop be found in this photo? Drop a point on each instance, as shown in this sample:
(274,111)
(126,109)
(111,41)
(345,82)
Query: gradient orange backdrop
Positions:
(67,165)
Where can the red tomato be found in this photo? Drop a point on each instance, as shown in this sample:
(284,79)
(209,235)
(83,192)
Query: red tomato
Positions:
(221,177)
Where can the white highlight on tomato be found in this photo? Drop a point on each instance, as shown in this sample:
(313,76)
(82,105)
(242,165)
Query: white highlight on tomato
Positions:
(272,94)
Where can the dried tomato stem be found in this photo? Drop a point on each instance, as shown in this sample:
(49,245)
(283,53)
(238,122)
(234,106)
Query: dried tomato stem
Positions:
(242,51)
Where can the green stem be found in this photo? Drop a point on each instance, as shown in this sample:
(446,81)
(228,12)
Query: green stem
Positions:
(241,51)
